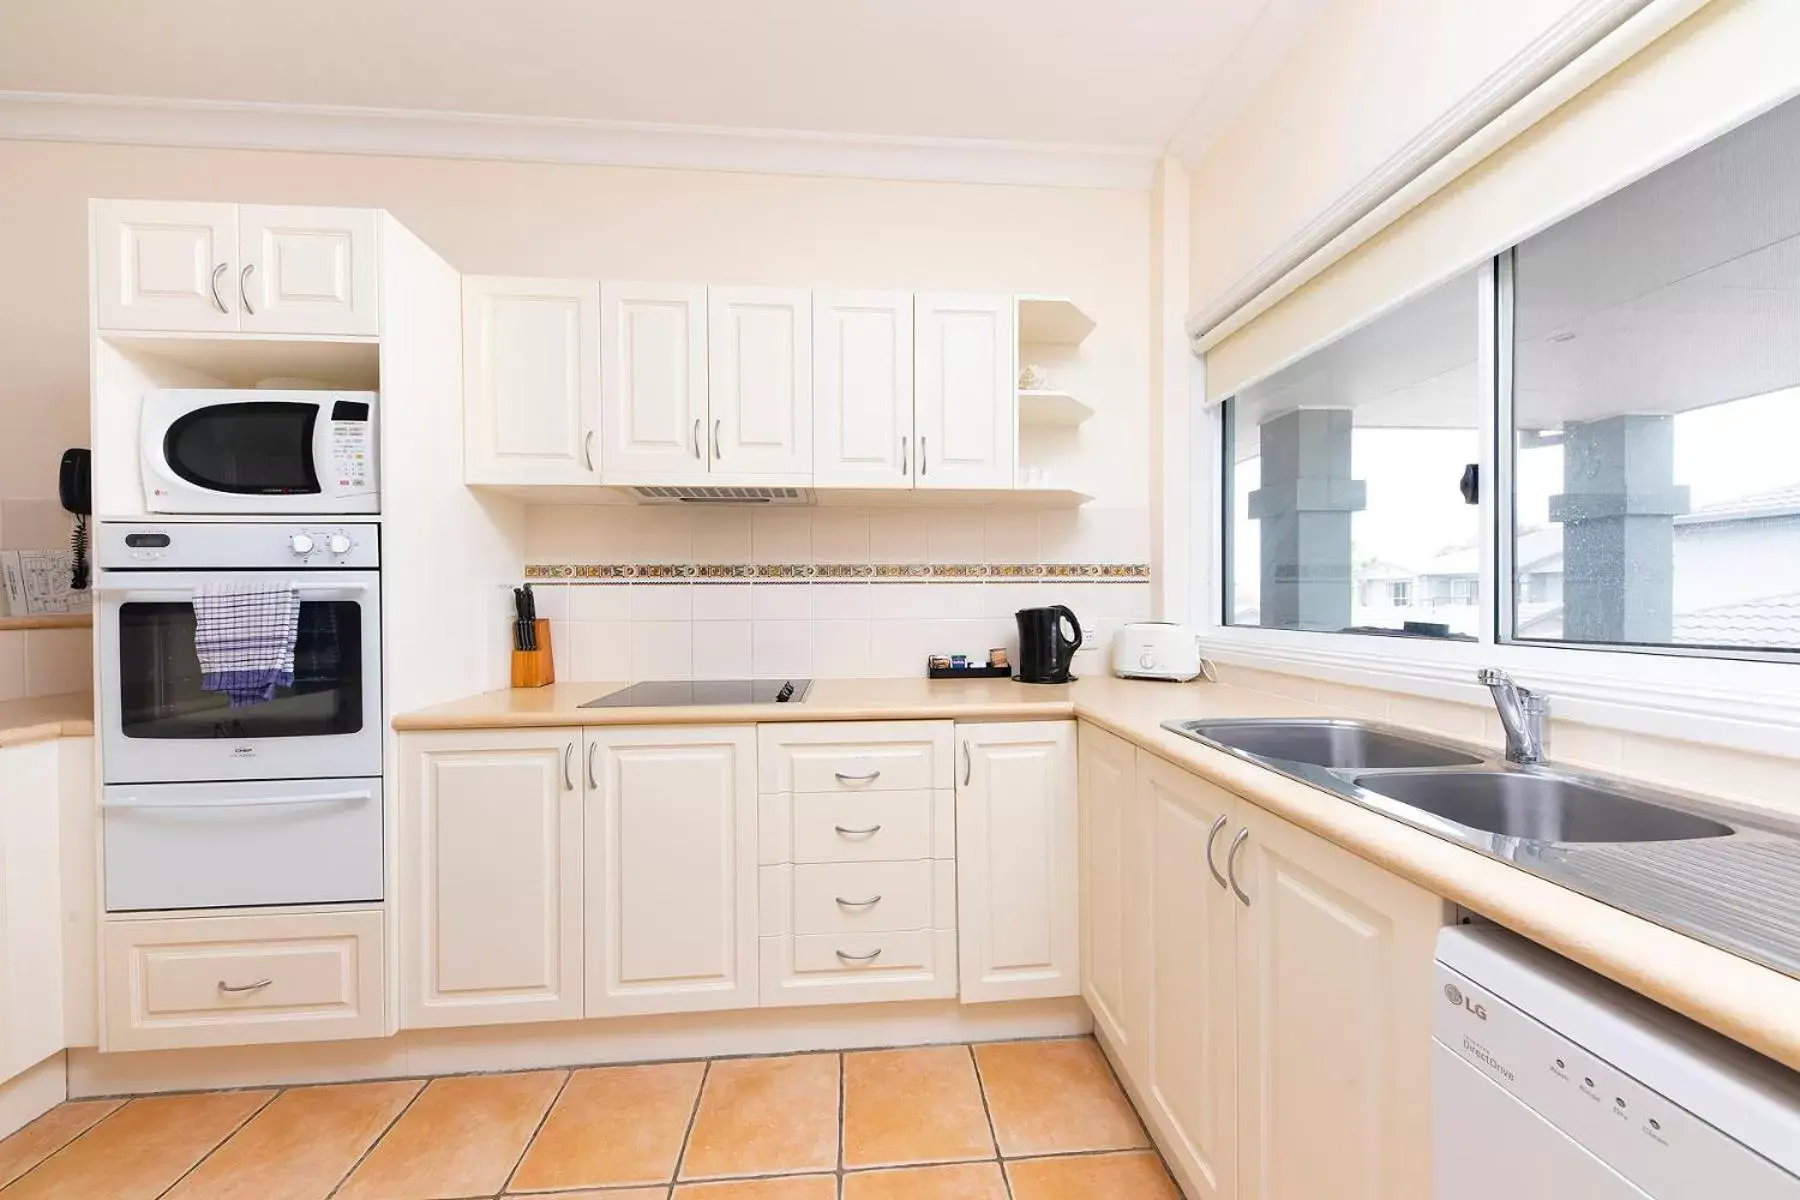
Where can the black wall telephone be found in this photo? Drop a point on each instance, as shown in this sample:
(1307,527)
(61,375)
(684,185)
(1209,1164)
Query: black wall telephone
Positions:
(75,487)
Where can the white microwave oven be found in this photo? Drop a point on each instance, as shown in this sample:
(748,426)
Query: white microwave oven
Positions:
(212,450)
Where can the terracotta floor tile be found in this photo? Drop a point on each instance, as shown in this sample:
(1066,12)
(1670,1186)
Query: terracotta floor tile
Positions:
(611,1126)
(655,1193)
(43,1137)
(300,1146)
(141,1149)
(765,1116)
(461,1137)
(1055,1098)
(963,1181)
(913,1106)
(1091,1177)
(793,1187)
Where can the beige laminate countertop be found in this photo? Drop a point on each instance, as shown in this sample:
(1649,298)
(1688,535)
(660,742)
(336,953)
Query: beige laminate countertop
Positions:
(1749,1003)
(43,718)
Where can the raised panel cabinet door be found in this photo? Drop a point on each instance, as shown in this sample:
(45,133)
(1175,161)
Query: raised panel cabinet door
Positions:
(655,425)
(863,389)
(491,916)
(1017,864)
(1114,892)
(1188,1084)
(531,381)
(31,908)
(165,265)
(965,391)
(759,382)
(671,870)
(305,269)
(1335,982)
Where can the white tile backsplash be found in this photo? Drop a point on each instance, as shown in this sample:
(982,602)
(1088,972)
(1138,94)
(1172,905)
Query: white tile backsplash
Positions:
(662,650)
(898,536)
(781,601)
(722,649)
(662,602)
(597,601)
(722,602)
(842,601)
(781,648)
(954,535)
(781,535)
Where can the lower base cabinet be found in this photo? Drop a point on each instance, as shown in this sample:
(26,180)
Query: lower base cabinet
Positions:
(1284,1049)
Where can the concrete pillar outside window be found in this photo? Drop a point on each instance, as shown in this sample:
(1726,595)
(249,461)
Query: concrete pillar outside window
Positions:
(1303,508)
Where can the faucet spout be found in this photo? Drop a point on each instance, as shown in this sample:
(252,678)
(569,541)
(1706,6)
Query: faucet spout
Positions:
(1521,715)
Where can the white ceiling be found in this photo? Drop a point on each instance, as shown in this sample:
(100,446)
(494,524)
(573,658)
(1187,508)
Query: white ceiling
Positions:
(1075,72)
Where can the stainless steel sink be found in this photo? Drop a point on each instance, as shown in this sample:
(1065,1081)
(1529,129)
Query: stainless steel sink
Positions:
(1540,807)
(1334,745)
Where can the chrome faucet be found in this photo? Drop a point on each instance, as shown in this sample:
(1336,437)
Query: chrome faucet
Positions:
(1521,715)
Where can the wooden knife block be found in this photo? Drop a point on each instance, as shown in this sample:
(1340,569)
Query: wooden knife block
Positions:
(535,668)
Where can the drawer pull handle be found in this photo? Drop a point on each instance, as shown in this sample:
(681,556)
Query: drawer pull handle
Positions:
(236,989)
(866,777)
(871,831)
(871,956)
(871,902)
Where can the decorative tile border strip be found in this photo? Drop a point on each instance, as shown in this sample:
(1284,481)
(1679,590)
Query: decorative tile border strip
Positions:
(843,572)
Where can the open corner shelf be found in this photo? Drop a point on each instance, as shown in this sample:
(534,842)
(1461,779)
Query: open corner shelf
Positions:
(1050,407)
(1052,321)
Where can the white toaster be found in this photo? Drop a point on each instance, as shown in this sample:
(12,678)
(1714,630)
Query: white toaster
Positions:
(1155,650)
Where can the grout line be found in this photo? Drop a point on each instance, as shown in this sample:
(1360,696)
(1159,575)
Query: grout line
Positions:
(687,1135)
(379,1138)
(542,1121)
(220,1144)
(988,1112)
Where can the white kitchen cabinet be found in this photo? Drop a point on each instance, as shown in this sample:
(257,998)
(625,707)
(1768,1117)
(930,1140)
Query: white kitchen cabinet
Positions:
(165,265)
(1186,1067)
(759,383)
(531,381)
(653,383)
(1018,866)
(863,389)
(307,269)
(965,398)
(31,908)
(1115,900)
(1335,979)
(491,896)
(671,869)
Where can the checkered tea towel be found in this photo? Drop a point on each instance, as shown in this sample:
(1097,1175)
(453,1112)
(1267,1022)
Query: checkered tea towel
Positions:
(244,636)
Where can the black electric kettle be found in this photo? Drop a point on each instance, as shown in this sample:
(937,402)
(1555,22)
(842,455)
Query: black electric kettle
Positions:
(1044,653)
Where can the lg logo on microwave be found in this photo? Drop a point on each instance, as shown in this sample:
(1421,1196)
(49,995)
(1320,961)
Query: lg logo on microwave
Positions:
(243,752)
(1455,996)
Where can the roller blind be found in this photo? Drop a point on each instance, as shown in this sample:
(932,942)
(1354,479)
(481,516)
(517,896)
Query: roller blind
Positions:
(1729,62)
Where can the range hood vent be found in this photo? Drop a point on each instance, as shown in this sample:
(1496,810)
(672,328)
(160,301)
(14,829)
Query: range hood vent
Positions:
(683,494)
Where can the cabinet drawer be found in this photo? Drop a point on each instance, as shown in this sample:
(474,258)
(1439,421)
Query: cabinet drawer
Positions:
(227,981)
(856,757)
(868,898)
(877,827)
(916,964)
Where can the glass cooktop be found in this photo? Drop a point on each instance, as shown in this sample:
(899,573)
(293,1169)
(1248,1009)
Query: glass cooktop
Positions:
(670,693)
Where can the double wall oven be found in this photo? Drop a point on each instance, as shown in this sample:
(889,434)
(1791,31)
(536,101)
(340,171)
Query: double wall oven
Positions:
(205,805)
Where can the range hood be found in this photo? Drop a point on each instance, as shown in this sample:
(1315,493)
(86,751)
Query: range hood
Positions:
(690,494)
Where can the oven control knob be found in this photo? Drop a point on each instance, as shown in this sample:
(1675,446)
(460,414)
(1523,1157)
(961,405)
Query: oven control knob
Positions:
(301,544)
(337,543)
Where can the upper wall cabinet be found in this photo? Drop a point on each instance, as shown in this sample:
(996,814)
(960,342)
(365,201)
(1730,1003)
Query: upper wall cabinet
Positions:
(965,397)
(760,382)
(227,268)
(653,382)
(531,381)
(863,389)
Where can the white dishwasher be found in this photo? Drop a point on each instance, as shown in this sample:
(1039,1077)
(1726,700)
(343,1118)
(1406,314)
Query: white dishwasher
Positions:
(1551,1083)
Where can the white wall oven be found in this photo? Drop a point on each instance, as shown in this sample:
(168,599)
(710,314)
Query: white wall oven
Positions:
(215,450)
(206,804)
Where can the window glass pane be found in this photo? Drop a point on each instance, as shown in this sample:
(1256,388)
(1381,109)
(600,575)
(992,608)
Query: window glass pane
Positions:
(1343,479)
(1657,406)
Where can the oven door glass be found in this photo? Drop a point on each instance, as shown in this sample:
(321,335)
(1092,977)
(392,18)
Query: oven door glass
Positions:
(159,678)
(250,448)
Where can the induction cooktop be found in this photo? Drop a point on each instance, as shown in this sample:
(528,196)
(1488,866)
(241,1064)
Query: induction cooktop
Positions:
(672,693)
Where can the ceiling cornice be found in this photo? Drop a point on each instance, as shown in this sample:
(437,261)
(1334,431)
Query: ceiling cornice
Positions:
(131,120)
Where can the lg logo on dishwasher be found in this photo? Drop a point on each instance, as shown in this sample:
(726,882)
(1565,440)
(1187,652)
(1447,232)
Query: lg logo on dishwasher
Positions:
(1455,996)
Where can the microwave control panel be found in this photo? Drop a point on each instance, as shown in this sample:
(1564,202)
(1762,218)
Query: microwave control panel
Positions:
(352,442)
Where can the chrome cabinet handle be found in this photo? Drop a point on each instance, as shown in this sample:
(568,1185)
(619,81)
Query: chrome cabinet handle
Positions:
(568,775)
(244,290)
(697,437)
(903,456)
(863,778)
(239,989)
(1231,857)
(1212,835)
(217,299)
(871,956)
(871,902)
(871,831)
(717,421)
(587,449)
(593,781)
(968,764)
(924,467)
